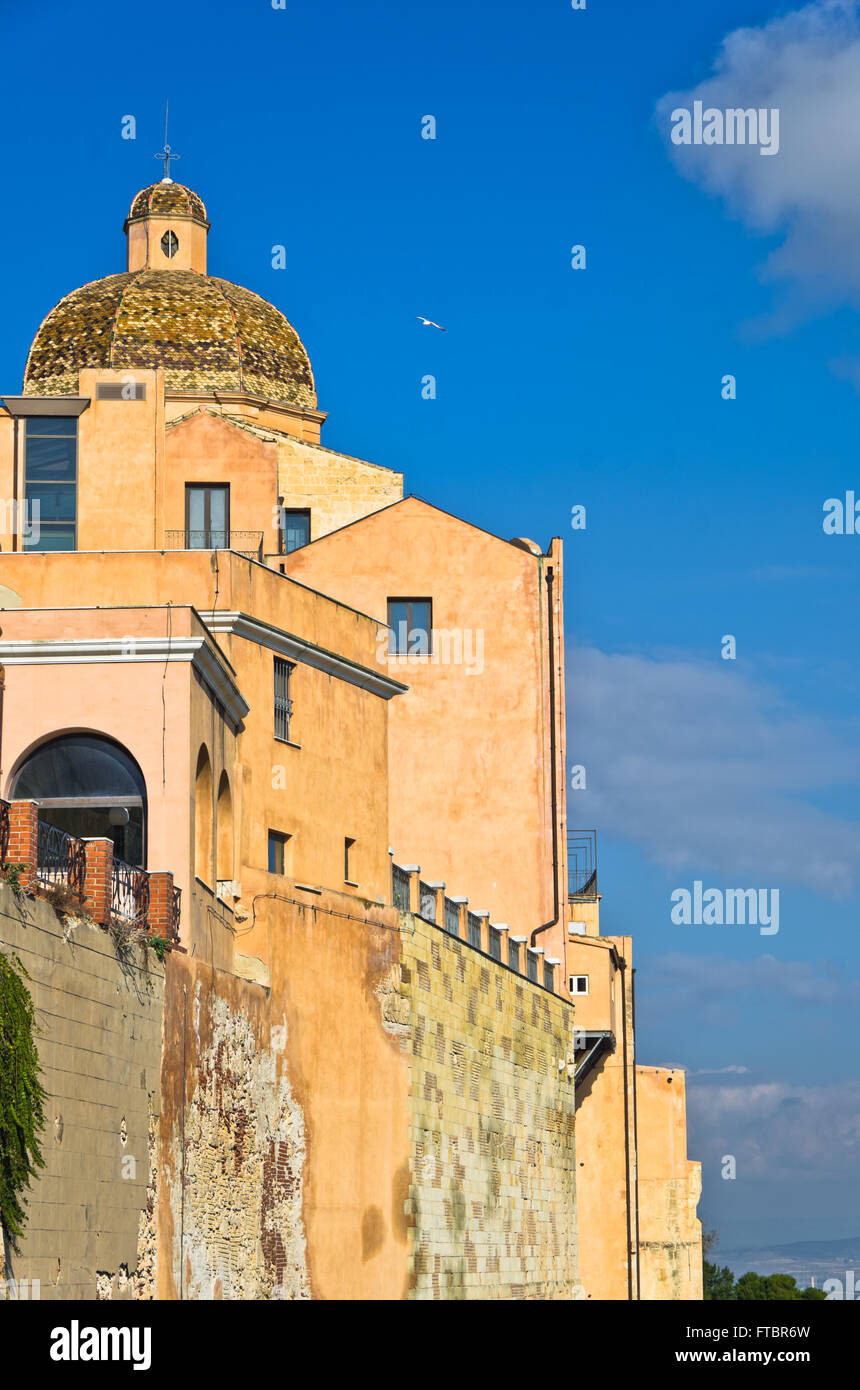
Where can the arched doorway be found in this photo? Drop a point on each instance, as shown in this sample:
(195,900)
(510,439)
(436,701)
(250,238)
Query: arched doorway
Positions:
(203,817)
(90,787)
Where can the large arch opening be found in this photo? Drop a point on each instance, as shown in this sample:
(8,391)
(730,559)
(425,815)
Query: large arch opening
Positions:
(88,786)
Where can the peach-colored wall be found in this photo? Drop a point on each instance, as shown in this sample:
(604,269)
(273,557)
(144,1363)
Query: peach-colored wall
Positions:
(669,1187)
(470,742)
(207,449)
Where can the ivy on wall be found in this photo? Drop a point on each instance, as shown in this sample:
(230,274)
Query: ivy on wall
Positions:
(22,1098)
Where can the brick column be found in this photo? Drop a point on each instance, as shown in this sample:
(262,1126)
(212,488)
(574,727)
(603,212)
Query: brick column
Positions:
(24,841)
(97,882)
(161,905)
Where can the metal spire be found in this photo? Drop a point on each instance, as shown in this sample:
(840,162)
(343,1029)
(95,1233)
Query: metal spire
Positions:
(165,153)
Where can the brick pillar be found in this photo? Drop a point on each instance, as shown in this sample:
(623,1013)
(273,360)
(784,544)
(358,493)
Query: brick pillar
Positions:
(97,882)
(24,840)
(161,905)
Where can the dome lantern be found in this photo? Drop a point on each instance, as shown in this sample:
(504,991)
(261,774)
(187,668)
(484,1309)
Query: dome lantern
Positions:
(166,229)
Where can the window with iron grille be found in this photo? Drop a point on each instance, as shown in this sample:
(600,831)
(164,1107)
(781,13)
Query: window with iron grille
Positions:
(495,944)
(411,623)
(531,966)
(283,701)
(474,931)
(513,954)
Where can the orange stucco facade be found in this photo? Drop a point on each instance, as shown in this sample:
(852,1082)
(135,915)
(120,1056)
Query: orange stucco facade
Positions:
(291,760)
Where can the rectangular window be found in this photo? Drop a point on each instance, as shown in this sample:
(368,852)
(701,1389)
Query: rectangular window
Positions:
(50,483)
(296,524)
(411,624)
(513,954)
(579,984)
(283,700)
(348,864)
(277,848)
(207,516)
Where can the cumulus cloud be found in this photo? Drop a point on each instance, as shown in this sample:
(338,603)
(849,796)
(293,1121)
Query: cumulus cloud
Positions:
(805,64)
(711,772)
(777,1131)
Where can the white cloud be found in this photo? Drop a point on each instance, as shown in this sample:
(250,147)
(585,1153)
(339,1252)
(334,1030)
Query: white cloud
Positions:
(778,1131)
(708,771)
(807,65)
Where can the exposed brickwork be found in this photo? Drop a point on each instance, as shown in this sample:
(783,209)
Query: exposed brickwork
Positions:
(24,840)
(492,1198)
(97,883)
(161,905)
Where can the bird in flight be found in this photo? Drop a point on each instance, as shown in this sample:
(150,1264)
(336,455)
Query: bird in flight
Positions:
(428,323)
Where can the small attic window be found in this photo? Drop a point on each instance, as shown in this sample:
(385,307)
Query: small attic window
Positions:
(170,244)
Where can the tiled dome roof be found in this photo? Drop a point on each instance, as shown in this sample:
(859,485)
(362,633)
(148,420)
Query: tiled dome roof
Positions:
(166,200)
(207,335)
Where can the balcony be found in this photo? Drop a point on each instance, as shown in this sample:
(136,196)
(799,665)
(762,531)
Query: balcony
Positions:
(582,864)
(247,543)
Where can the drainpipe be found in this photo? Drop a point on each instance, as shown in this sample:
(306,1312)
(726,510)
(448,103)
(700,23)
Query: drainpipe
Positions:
(635,1129)
(15,527)
(554,758)
(623,966)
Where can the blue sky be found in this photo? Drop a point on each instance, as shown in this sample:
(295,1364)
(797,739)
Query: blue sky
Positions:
(555,387)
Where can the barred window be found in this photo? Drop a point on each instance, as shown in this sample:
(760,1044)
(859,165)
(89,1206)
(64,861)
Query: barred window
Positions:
(283,701)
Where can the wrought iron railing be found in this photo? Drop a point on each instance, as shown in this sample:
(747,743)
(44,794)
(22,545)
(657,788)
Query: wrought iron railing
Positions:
(495,944)
(452,917)
(60,859)
(582,863)
(400,887)
(4,831)
(474,931)
(514,954)
(532,966)
(248,543)
(129,897)
(427,901)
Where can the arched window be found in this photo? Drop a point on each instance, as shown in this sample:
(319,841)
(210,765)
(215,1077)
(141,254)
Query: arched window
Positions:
(203,817)
(225,832)
(90,787)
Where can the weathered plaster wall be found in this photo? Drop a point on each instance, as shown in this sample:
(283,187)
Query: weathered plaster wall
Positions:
(232,1145)
(669,1189)
(89,1229)
(492,1199)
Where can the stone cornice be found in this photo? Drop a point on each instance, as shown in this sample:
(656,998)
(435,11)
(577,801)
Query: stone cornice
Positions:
(239,624)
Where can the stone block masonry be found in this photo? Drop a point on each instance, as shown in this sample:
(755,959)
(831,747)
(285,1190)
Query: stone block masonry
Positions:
(89,1232)
(492,1199)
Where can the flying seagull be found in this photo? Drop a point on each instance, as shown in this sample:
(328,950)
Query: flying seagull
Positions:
(428,323)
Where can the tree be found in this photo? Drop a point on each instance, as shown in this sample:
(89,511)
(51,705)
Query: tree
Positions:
(718,1283)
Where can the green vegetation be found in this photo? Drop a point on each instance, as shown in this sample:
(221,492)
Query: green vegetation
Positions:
(720,1284)
(21,1098)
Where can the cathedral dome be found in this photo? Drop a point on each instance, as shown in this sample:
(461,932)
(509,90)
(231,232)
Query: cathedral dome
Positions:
(207,334)
(164,311)
(166,199)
